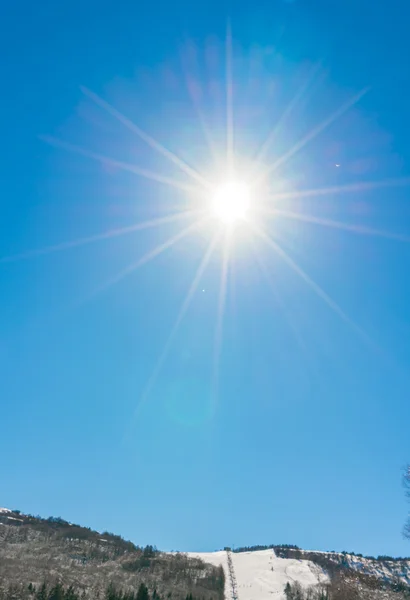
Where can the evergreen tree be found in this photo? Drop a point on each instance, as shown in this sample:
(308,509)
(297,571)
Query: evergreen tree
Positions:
(57,592)
(288,591)
(111,593)
(142,593)
(41,593)
(70,594)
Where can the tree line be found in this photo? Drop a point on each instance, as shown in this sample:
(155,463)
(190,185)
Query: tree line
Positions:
(58,591)
(262,547)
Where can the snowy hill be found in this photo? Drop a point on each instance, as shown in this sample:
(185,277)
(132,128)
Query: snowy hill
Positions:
(383,569)
(33,549)
(261,575)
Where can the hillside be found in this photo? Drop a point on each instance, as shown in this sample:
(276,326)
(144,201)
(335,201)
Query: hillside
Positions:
(395,571)
(263,575)
(102,566)
(34,550)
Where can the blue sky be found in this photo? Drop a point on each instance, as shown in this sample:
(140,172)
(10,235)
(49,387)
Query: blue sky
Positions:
(306,440)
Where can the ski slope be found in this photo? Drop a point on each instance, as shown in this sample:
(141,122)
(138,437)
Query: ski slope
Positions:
(261,575)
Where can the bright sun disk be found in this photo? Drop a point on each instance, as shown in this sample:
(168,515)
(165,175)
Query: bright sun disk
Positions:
(231,201)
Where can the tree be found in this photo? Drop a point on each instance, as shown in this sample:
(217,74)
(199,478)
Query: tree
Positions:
(42,594)
(111,593)
(56,592)
(288,591)
(142,593)
(70,594)
(297,591)
(406,484)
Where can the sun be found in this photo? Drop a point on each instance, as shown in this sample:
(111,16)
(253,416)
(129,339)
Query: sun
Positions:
(231,201)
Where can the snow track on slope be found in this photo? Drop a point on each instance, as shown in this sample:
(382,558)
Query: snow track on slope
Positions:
(261,575)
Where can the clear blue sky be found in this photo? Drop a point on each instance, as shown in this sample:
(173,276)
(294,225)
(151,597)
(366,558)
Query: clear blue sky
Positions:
(311,428)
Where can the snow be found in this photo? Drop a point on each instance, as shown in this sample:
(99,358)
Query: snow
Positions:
(383,570)
(5,510)
(261,575)
(386,569)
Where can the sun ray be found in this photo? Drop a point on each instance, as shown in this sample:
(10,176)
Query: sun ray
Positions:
(229,102)
(220,318)
(341,189)
(311,135)
(359,229)
(274,289)
(202,120)
(98,237)
(289,109)
(303,346)
(149,256)
(193,94)
(146,137)
(121,165)
(181,315)
(312,284)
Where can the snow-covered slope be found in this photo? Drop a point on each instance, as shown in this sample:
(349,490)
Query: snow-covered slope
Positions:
(386,570)
(261,575)
(383,569)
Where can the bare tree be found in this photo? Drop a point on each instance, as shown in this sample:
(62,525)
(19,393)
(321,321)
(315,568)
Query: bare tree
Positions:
(406,484)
